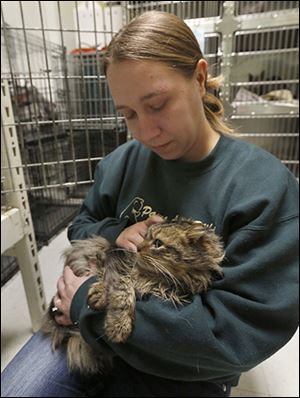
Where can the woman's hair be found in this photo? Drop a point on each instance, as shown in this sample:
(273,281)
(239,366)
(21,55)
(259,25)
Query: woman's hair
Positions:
(163,37)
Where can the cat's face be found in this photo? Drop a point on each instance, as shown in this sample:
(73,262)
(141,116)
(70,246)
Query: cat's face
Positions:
(180,248)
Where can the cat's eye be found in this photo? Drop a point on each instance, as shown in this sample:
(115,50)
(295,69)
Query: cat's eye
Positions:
(157,243)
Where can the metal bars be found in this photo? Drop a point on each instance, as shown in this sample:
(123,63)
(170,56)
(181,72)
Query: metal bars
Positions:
(64,93)
(64,114)
(68,96)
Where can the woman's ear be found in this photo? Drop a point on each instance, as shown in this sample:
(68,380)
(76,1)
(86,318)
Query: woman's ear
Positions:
(200,75)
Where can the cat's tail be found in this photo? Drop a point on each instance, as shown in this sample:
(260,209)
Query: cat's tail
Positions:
(83,359)
(58,334)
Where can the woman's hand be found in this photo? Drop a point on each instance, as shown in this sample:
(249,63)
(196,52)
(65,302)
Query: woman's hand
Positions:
(68,283)
(67,286)
(132,236)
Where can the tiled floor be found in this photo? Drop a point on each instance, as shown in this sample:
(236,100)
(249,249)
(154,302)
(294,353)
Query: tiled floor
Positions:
(276,377)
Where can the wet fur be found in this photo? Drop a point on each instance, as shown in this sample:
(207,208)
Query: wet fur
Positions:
(177,260)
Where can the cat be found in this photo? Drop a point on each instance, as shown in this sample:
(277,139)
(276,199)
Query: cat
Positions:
(177,259)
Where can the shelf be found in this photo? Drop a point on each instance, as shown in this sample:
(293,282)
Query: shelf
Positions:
(12,229)
(263,108)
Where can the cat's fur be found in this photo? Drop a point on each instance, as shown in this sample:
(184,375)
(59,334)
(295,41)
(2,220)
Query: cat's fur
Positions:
(177,260)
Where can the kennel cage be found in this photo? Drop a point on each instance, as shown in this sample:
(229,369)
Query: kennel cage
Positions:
(62,118)
(256,51)
(61,123)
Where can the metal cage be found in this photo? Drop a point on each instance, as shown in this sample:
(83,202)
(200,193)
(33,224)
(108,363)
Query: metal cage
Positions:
(58,118)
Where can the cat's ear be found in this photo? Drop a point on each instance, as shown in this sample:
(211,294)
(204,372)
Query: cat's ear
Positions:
(195,234)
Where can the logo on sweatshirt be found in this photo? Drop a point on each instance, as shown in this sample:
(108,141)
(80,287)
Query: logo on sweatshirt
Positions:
(137,211)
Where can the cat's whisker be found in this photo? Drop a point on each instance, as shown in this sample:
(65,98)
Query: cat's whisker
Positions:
(170,275)
(133,268)
(163,270)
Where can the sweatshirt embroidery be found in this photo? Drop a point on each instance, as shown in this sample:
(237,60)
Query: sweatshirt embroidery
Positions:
(137,211)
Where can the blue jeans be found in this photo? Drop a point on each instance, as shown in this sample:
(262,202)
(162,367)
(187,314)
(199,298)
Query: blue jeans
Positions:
(36,371)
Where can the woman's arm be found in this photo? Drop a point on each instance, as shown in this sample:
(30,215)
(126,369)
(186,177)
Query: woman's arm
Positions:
(97,213)
(245,318)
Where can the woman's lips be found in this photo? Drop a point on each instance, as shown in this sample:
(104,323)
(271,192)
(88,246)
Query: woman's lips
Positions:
(159,147)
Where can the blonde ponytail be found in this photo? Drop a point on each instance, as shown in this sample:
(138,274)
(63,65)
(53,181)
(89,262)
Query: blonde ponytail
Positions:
(213,106)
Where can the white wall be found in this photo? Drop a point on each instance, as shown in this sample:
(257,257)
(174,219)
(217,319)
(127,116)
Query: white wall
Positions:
(49,12)
(50,15)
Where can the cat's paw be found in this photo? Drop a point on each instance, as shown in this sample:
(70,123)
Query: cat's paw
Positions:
(96,296)
(118,329)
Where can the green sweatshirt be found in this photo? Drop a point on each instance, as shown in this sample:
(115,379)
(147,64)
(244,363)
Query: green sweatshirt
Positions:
(252,200)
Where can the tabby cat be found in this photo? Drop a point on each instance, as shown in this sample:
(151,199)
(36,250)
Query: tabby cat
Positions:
(177,259)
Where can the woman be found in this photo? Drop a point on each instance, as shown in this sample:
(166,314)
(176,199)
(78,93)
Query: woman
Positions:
(184,162)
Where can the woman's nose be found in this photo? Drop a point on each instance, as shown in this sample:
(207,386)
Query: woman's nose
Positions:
(148,130)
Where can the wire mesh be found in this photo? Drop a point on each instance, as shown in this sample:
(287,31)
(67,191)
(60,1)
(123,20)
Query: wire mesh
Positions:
(264,90)
(64,113)
(9,267)
(184,9)
(254,7)
(275,52)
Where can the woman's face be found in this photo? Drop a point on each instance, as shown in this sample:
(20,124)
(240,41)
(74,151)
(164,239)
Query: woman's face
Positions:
(163,109)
